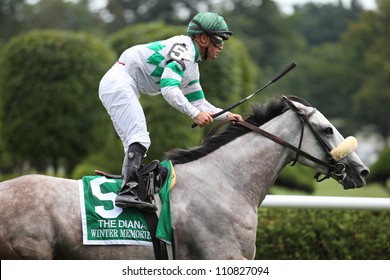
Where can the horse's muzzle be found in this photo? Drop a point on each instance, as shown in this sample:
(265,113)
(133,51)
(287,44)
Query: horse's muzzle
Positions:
(360,181)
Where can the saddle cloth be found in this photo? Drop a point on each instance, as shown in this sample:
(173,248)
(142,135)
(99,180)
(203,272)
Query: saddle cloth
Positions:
(105,224)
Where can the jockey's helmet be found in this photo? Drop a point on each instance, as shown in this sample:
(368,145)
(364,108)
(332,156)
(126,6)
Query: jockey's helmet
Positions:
(209,23)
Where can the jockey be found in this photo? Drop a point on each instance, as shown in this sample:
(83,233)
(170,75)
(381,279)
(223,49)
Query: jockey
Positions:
(168,67)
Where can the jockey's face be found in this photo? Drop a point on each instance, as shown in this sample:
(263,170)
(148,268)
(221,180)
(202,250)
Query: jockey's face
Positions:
(215,47)
(212,46)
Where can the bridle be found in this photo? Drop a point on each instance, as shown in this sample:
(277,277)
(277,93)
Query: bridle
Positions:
(335,169)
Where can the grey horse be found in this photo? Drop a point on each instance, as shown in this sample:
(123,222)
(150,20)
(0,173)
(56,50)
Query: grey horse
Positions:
(219,187)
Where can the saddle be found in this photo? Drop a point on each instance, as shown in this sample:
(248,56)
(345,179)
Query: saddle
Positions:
(151,179)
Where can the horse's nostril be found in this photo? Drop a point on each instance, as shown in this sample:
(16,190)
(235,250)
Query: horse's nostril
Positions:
(364,173)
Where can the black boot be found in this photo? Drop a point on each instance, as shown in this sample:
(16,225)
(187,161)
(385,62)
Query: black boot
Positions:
(127,195)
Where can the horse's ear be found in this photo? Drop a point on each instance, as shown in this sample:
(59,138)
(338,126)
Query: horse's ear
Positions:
(290,104)
(297,107)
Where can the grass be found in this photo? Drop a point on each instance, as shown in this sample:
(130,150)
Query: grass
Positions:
(332,188)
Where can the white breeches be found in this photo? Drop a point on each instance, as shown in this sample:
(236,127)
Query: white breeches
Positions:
(119,95)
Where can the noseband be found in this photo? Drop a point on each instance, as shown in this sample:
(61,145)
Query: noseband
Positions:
(335,169)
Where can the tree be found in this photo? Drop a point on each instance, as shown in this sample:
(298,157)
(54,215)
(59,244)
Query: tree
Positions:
(64,15)
(18,16)
(12,15)
(50,111)
(119,13)
(324,23)
(320,78)
(348,80)
(267,34)
(367,54)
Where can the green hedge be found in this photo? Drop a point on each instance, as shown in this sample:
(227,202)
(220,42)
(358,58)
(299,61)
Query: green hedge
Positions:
(313,234)
(380,170)
(49,82)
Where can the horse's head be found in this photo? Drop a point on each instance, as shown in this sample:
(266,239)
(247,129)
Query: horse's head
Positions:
(336,156)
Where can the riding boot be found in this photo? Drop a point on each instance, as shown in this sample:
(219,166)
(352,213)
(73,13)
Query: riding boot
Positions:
(127,195)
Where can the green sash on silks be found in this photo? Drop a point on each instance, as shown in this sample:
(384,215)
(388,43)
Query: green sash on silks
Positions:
(105,224)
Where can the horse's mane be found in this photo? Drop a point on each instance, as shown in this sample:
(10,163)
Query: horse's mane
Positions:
(261,113)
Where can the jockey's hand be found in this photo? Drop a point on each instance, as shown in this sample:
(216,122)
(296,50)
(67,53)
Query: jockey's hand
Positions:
(236,117)
(203,119)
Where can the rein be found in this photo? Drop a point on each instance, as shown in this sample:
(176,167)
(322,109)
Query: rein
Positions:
(334,168)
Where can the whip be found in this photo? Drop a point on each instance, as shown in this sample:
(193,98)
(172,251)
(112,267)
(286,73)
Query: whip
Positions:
(273,80)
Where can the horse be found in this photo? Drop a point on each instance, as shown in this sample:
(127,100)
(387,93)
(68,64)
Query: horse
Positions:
(220,186)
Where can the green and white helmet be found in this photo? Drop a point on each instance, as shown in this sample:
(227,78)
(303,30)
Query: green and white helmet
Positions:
(209,23)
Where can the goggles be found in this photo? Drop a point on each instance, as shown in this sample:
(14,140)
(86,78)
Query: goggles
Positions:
(217,41)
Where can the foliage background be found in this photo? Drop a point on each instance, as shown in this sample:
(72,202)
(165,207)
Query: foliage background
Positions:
(49,111)
(343,69)
(316,234)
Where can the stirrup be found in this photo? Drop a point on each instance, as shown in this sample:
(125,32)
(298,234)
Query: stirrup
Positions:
(130,201)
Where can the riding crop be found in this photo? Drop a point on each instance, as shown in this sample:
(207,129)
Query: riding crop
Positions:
(273,80)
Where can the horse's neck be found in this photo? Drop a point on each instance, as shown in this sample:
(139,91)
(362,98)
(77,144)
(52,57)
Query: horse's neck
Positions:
(249,164)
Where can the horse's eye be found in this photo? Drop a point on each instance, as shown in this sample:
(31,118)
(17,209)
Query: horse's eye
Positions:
(328,131)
